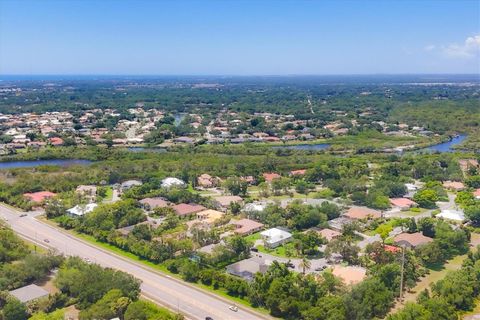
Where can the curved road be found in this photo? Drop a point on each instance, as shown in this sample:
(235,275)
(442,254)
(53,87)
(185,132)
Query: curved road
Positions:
(178,296)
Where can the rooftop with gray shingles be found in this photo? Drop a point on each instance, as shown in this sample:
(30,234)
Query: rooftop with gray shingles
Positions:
(29,293)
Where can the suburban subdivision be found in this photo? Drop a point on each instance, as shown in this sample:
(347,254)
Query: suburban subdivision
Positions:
(347,224)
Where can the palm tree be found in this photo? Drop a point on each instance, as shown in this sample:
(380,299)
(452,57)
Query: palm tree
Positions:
(305,264)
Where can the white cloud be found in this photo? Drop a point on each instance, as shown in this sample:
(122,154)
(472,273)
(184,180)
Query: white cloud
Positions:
(430,47)
(469,49)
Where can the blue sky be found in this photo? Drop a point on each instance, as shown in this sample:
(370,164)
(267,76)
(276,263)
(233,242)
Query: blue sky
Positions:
(241,37)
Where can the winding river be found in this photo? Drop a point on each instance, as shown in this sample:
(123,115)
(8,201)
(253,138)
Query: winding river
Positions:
(441,147)
(446,146)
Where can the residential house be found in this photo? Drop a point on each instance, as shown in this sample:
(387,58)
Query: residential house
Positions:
(257,206)
(224,202)
(130,184)
(361,213)
(125,231)
(171,182)
(88,191)
(246,269)
(411,190)
(187,209)
(152,203)
(246,226)
(329,234)
(80,210)
(29,293)
(269,177)
(209,216)
(338,223)
(207,181)
(452,214)
(402,203)
(275,237)
(56,141)
(411,240)
(40,196)
(453,185)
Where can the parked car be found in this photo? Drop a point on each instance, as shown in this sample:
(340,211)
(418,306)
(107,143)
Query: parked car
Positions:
(233,308)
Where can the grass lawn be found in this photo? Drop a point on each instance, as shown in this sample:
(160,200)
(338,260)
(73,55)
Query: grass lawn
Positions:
(253,237)
(411,213)
(281,251)
(33,247)
(55,315)
(108,194)
(434,276)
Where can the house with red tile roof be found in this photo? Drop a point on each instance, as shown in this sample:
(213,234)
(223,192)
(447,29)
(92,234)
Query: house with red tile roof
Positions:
(411,240)
(270,176)
(402,203)
(40,196)
(360,213)
(56,141)
(187,209)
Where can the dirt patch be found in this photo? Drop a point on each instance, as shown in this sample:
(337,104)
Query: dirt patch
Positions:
(475,239)
(48,285)
(71,313)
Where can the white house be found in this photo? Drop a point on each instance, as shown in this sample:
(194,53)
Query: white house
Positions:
(80,210)
(172,182)
(255,206)
(411,190)
(275,237)
(452,214)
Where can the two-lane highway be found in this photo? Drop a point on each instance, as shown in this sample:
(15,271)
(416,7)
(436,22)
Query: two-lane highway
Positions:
(175,294)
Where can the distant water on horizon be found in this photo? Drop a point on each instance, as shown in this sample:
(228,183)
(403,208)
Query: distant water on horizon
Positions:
(326,79)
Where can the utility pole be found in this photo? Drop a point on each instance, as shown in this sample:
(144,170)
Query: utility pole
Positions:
(401,274)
